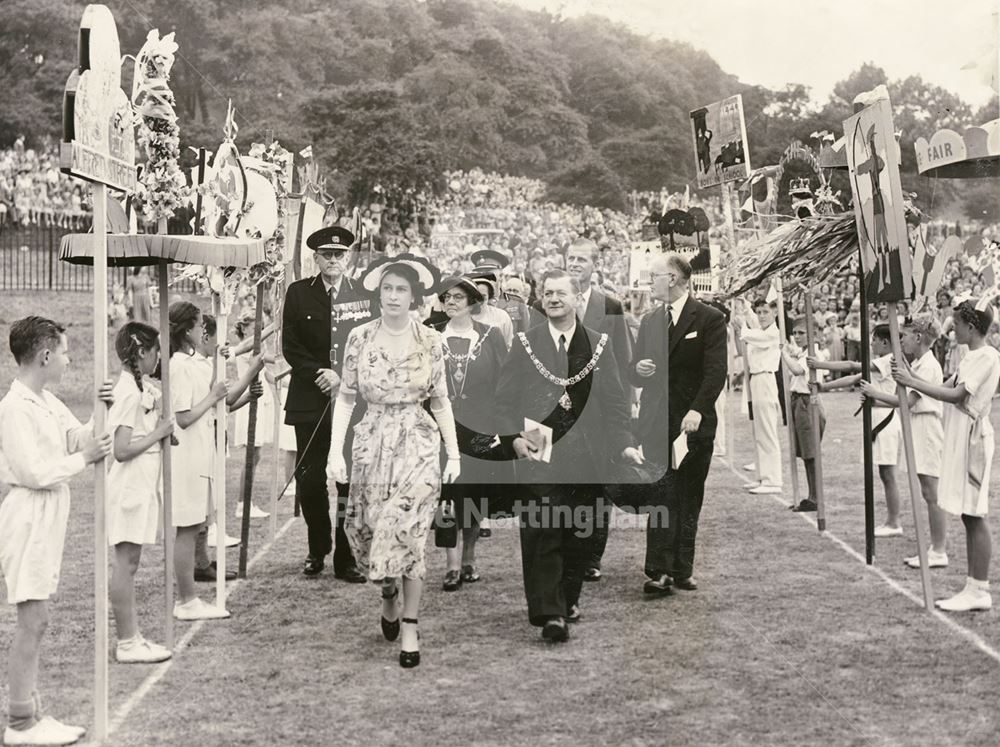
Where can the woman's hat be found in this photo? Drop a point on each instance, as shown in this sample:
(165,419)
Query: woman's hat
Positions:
(459,281)
(427,274)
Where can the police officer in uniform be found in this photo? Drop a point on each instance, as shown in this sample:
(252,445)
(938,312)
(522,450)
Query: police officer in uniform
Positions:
(318,315)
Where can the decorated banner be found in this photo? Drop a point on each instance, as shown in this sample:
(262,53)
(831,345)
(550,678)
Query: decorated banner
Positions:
(974,153)
(98,139)
(929,261)
(878,203)
(640,264)
(720,142)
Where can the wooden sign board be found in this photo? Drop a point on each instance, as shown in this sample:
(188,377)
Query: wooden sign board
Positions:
(720,142)
(98,136)
(878,203)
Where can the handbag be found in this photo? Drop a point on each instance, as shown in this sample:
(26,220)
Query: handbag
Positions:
(445,525)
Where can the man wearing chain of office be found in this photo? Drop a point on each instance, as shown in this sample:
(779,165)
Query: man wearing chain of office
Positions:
(560,391)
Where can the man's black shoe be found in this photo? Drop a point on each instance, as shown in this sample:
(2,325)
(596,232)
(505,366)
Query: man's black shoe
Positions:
(351,575)
(592,574)
(659,585)
(688,584)
(555,630)
(313,566)
(574,614)
(805,505)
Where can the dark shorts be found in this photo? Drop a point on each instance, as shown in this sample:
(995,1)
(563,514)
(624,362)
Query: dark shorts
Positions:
(802,421)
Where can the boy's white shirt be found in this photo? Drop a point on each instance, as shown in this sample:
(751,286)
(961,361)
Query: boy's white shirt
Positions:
(40,439)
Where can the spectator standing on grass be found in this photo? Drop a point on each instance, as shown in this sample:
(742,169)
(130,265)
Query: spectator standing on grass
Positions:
(964,487)
(193,463)
(928,434)
(135,483)
(886,431)
(794,358)
(138,291)
(42,445)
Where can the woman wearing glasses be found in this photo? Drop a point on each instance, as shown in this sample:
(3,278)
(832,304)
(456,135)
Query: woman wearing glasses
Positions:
(474,353)
(395,364)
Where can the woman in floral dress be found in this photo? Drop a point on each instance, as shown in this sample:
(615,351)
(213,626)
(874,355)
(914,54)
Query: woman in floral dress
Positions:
(395,364)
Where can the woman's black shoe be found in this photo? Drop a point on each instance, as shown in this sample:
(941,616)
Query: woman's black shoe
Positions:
(469,575)
(409,659)
(452,581)
(390,628)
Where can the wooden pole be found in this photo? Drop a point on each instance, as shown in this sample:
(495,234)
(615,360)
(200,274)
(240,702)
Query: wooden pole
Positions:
(916,496)
(814,416)
(168,520)
(727,212)
(787,380)
(248,469)
(276,481)
(100,197)
(219,483)
(866,417)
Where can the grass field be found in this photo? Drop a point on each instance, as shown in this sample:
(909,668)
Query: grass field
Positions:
(789,640)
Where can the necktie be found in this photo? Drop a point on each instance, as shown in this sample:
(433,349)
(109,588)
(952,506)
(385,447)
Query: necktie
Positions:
(563,361)
(670,325)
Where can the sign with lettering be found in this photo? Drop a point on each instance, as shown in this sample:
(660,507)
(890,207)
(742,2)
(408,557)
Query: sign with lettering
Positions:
(98,138)
(720,142)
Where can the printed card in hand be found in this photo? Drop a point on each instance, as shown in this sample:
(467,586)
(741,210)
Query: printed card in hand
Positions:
(678,450)
(540,438)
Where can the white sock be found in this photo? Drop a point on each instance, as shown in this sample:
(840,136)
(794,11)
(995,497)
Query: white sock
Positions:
(979,585)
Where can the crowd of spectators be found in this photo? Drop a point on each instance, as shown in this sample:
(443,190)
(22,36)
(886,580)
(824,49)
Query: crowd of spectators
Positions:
(34,191)
(482,210)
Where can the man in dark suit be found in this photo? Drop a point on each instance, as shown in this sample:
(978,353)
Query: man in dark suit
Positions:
(318,315)
(560,374)
(680,363)
(601,313)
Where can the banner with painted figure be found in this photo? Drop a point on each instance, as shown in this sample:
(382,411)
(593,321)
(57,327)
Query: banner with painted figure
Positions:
(720,142)
(930,260)
(878,203)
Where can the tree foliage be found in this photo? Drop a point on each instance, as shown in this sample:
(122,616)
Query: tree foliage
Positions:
(391,92)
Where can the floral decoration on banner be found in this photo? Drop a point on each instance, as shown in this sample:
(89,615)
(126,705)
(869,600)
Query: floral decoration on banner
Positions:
(161,189)
(275,161)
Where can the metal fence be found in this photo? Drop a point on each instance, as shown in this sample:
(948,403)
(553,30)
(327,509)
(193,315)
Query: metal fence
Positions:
(29,259)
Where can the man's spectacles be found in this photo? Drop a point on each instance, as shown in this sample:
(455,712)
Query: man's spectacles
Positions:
(329,254)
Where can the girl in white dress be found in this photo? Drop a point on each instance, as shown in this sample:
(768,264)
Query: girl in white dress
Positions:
(134,481)
(263,435)
(192,397)
(963,488)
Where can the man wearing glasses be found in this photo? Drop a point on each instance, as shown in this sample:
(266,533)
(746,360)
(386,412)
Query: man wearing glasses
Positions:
(680,361)
(318,315)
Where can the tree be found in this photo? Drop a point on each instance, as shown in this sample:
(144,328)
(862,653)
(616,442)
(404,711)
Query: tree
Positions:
(589,181)
(368,136)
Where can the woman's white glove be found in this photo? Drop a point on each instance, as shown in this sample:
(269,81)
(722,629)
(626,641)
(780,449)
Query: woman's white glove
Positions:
(441,409)
(336,466)
(452,469)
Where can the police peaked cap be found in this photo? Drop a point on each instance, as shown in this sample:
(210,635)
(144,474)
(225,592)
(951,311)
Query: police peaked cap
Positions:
(489,258)
(331,237)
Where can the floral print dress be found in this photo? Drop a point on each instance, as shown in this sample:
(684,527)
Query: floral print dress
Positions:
(396,472)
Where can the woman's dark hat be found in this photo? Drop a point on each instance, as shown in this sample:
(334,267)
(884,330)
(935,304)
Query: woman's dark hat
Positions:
(331,237)
(459,281)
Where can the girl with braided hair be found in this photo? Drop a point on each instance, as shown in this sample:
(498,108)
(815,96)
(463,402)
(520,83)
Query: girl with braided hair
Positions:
(964,485)
(137,425)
